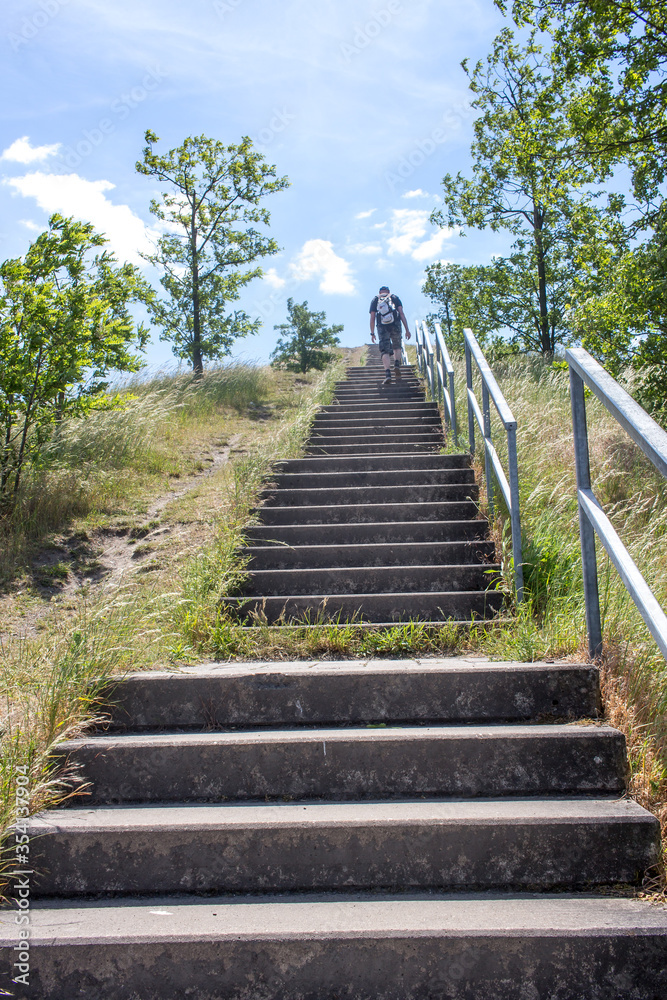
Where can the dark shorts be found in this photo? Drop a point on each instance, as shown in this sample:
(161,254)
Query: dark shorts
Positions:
(389,338)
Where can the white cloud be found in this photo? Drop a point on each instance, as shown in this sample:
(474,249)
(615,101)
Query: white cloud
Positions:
(417,193)
(430,249)
(272,278)
(409,226)
(318,258)
(365,215)
(364,248)
(70,194)
(21,151)
(379,225)
(32,226)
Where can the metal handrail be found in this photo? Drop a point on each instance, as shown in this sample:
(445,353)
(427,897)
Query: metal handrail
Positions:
(436,367)
(492,463)
(652,440)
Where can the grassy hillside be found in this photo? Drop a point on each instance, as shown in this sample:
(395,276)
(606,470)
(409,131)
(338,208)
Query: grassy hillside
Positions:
(127,536)
(124,540)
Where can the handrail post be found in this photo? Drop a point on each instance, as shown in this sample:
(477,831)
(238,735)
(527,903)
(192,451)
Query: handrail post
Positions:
(455,432)
(586,530)
(471,417)
(515,517)
(421,360)
(486,411)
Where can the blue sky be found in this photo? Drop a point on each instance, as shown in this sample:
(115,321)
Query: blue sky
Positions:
(362,103)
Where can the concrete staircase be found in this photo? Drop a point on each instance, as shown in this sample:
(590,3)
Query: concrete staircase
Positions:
(373,524)
(437,829)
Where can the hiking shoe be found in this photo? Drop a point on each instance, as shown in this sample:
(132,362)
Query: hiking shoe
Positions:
(387,377)
(397,373)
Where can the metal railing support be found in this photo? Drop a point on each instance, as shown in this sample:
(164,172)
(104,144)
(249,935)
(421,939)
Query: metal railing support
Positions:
(493,467)
(448,383)
(652,440)
(436,367)
(586,530)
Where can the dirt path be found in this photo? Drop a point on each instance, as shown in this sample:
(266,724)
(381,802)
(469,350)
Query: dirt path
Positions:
(96,561)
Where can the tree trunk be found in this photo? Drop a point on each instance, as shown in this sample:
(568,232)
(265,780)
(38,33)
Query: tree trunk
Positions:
(449,319)
(197,360)
(546,341)
(26,423)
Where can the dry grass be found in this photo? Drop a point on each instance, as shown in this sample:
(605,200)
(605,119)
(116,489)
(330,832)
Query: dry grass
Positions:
(76,636)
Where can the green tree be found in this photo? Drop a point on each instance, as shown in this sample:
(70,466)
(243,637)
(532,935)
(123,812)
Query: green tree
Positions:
(614,57)
(525,182)
(210,209)
(64,325)
(617,54)
(304,339)
(583,250)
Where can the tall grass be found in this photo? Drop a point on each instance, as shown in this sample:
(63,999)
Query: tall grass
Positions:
(52,685)
(96,465)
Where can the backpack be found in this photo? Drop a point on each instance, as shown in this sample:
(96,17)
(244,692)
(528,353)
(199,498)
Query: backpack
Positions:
(385,309)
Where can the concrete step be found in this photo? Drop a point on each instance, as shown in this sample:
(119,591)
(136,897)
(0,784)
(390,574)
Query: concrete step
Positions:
(356,424)
(376,411)
(353,496)
(308,609)
(372,533)
(453,690)
(456,846)
(359,579)
(281,557)
(370,513)
(339,450)
(407,436)
(349,764)
(382,392)
(319,947)
(374,463)
(378,477)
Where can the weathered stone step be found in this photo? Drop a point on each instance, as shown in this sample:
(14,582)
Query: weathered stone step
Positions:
(338,450)
(407,436)
(374,463)
(360,579)
(280,557)
(453,690)
(308,609)
(381,392)
(374,533)
(351,764)
(355,423)
(488,844)
(375,411)
(371,512)
(318,947)
(377,477)
(353,496)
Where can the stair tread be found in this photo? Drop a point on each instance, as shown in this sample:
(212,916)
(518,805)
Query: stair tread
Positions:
(392,734)
(327,915)
(189,816)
